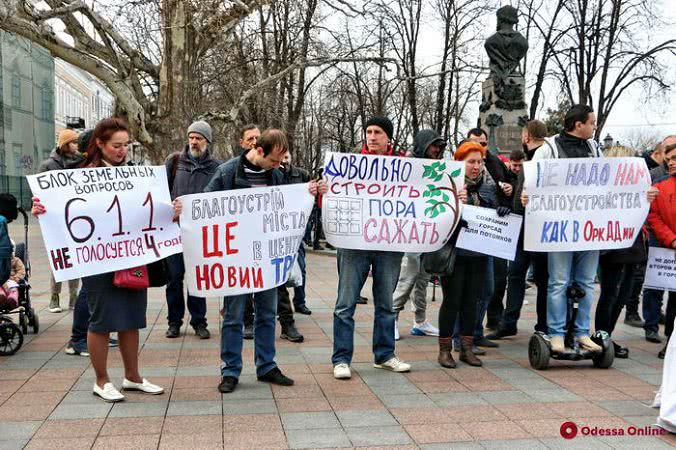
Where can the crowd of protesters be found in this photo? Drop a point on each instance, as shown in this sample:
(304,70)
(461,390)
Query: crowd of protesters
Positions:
(474,314)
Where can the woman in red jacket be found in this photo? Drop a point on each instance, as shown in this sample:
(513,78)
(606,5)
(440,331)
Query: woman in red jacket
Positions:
(662,221)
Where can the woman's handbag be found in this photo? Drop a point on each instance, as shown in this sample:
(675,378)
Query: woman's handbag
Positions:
(158,273)
(132,278)
(441,262)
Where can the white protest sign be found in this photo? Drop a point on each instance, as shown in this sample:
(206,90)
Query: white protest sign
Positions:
(661,270)
(390,203)
(105,219)
(489,233)
(244,240)
(584,203)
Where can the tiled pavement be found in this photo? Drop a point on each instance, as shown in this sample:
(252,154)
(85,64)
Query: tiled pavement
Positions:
(46,400)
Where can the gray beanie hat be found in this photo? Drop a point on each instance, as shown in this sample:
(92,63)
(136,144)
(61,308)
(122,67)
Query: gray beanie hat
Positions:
(202,128)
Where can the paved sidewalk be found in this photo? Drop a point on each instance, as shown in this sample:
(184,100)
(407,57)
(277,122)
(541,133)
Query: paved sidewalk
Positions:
(46,400)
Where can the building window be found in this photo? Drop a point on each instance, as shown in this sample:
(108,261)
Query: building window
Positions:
(3,166)
(18,150)
(16,91)
(46,104)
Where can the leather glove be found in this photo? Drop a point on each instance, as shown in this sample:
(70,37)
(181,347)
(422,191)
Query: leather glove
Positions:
(503,210)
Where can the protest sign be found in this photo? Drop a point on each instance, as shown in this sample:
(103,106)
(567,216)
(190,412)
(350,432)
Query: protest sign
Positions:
(390,203)
(584,203)
(489,233)
(242,241)
(661,270)
(105,219)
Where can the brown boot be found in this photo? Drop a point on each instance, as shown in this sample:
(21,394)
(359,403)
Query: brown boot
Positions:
(466,354)
(445,347)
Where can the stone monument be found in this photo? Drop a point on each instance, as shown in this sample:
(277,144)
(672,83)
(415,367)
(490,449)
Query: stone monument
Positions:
(503,108)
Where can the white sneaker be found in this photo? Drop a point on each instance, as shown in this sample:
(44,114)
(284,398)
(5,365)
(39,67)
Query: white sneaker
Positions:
(146,387)
(396,331)
(526,302)
(394,364)
(424,329)
(108,393)
(342,371)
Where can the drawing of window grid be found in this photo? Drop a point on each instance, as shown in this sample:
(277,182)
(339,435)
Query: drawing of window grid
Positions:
(343,216)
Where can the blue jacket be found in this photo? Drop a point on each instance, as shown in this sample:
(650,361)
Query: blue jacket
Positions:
(5,243)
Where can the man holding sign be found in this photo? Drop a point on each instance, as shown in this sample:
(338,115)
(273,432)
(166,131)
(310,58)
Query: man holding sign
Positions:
(353,269)
(257,167)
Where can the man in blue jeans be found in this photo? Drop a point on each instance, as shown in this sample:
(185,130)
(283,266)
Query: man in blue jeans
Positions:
(353,269)
(566,268)
(257,167)
(188,172)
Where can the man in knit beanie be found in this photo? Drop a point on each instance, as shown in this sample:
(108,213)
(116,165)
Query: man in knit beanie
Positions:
(188,172)
(353,269)
(64,156)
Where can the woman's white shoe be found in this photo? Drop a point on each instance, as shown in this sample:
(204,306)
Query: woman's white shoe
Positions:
(108,393)
(146,387)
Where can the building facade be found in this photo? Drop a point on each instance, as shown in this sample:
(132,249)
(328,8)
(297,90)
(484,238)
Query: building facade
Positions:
(80,98)
(27,113)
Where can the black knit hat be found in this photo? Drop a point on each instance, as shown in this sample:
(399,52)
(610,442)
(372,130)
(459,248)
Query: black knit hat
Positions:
(382,122)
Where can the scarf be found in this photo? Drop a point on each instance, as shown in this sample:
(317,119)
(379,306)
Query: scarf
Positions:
(473,185)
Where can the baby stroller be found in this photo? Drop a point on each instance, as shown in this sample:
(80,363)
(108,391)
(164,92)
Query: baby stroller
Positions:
(11,334)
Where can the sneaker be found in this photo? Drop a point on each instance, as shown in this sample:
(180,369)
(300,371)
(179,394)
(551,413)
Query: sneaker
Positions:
(54,304)
(108,393)
(77,348)
(275,376)
(145,386)
(113,342)
(394,364)
(633,320)
(362,300)
(173,331)
(342,371)
(653,336)
(396,331)
(500,333)
(424,329)
(202,332)
(227,385)
(526,302)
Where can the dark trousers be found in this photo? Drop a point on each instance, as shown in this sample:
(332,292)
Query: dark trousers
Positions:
(652,305)
(197,306)
(616,286)
(636,288)
(319,230)
(516,288)
(461,293)
(80,318)
(496,307)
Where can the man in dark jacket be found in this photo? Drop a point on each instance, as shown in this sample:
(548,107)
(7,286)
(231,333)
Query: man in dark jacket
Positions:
(413,279)
(188,172)
(292,175)
(257,167)
(64,156)
(532,138)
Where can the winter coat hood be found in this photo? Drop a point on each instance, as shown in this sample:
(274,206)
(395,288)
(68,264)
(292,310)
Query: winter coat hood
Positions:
(424,139)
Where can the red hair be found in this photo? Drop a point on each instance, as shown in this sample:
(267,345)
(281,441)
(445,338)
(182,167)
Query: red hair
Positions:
(103,131)
(466,148)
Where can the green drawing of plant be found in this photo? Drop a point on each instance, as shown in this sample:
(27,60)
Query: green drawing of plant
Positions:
(440,195)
